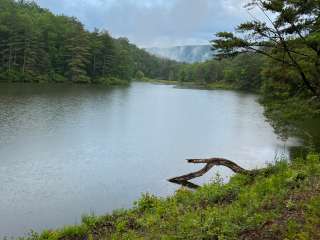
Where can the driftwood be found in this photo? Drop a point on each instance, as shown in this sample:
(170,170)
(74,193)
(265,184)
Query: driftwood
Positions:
(210,163)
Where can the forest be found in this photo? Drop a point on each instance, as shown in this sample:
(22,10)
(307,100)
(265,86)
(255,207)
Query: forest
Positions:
(280,62)
(276,57)
(38,46)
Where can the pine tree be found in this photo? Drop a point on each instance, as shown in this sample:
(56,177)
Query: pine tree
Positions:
(77,49)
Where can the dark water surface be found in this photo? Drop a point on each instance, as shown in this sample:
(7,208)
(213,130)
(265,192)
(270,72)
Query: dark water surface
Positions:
(70,150)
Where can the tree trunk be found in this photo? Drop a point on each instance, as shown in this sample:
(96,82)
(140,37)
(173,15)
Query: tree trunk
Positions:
(210,163)
(10,56)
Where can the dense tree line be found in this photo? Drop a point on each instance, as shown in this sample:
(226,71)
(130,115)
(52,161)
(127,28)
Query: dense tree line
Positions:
(36,45)
(241,72)
(288,35)
(279,57)
(280,50)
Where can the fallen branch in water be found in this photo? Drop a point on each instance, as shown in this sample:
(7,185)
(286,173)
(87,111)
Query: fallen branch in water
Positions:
(210,163)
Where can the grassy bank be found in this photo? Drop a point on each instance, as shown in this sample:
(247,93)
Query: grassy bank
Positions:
(221,85)
(281,203)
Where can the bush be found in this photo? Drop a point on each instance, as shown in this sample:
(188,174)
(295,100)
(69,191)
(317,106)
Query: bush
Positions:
(41,78)
(56,77)
(81,79)
(139,75)
(12,76)
(111,81)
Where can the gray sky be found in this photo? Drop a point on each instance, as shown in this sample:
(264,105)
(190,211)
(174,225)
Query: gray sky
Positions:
(155,23)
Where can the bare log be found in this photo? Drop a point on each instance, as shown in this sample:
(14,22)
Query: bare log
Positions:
(210,163)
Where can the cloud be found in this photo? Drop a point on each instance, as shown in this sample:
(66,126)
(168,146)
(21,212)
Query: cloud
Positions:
(155,22)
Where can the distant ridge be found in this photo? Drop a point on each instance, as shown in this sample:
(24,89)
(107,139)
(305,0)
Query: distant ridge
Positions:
(188,54)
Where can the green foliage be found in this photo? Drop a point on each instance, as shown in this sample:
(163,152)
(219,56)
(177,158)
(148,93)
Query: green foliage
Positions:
(242,72)
(56,77)
(38,46)
(111,81)
(290,38)
(278,56)
(282,203)
(139,75)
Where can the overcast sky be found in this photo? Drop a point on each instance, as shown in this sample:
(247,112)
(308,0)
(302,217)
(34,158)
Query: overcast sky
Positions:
(155,23)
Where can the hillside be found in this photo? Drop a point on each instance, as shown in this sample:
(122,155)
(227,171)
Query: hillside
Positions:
(39,46)
(188,54)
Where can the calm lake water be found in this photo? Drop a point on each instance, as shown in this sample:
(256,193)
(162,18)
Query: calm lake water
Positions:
(67,150)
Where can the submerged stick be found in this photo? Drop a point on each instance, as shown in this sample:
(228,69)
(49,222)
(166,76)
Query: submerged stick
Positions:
(210,163)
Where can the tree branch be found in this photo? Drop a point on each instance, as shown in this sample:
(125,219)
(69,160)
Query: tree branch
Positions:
(210,163)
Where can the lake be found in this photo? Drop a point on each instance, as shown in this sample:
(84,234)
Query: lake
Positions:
(68,150)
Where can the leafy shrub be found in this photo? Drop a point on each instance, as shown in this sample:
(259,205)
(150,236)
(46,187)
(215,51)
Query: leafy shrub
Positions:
(139,75)
(111,81)
(58,78)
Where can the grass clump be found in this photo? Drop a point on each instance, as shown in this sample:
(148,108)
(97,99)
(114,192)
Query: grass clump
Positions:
(111,81)
(222,85)
(283,202)
(156,81)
